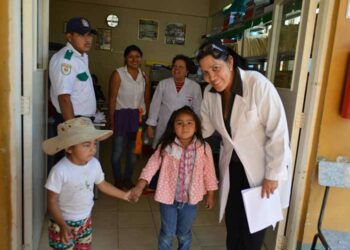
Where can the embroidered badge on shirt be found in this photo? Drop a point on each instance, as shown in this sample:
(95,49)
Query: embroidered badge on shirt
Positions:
(66,68)
(85,23)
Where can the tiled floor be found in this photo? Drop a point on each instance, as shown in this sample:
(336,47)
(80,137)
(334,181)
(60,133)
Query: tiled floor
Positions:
(119,225)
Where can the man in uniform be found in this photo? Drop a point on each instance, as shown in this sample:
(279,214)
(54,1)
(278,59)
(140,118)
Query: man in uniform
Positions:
(72,90)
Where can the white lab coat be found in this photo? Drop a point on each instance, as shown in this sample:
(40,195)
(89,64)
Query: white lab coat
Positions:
(166,100)
(259,134)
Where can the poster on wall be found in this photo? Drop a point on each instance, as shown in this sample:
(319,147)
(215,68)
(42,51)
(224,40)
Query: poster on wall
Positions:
(148,30)
(175,33)
(103,39)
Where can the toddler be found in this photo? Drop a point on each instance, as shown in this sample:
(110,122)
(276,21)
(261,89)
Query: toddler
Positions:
(71,182)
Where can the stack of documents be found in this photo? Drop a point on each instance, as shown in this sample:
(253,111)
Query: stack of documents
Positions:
(261,212)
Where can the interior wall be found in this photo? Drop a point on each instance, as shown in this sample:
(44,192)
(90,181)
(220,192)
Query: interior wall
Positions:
(183,7)
(215,14)
(5,88)
(334,138)
(193,14)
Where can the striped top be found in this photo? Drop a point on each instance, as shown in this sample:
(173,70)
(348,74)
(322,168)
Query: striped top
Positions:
(179,85)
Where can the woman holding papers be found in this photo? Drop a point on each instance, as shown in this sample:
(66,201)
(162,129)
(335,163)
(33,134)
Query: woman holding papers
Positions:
(245,108)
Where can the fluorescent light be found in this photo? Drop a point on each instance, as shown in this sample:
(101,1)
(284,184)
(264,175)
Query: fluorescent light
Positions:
(227,7)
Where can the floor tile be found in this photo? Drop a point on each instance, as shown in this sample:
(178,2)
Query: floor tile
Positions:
(105,239)
(104,220)
(137,238)
(213,248)
(206,218)
(141,205)
(153,204)
(106,203)
(210,235)
(135,219)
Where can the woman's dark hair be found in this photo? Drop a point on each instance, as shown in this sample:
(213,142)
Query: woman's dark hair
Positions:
(190,67)
(132,48)
(169,135)
(219,51)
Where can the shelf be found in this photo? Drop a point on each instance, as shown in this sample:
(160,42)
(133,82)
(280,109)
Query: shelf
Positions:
(239,28)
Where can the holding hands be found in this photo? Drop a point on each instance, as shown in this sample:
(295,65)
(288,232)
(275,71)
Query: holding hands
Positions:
(136,192)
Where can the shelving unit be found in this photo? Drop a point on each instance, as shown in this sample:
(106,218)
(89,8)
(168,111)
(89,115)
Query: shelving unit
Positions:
(239,28)
(277,60)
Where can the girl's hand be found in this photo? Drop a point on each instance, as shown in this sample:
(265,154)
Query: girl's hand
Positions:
(268,187)
(65,234)
(136,192)
(209,204)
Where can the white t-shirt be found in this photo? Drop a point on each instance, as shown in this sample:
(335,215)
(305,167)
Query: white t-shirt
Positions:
(131,92)
(74,185)
(69,74)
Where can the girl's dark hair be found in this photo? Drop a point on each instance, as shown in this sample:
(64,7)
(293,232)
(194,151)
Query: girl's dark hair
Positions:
(219,51)
(132,48)
(169,135)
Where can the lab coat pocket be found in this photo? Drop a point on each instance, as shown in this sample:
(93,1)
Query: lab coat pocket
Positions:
(249,123)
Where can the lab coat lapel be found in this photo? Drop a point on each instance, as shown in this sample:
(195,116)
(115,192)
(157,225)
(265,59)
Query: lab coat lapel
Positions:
(222,129)
(239,107)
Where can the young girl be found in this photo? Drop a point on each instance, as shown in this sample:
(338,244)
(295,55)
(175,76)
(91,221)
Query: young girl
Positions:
(71,181)
(186,174)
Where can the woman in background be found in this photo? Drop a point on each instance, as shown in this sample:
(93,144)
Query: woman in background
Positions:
(128,96)
(171,94)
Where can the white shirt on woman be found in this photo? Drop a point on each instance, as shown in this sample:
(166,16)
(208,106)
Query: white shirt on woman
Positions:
(131,92)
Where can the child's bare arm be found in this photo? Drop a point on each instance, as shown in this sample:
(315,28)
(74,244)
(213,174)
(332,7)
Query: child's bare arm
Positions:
(54,210)
(109,189)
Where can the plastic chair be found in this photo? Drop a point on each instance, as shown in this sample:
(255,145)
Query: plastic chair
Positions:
(332,174)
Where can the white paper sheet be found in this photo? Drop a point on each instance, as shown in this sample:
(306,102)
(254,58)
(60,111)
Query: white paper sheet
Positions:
(261,212)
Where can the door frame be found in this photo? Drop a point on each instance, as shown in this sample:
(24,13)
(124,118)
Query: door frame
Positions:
(34,26)
(307,134)
(298,88)
(15,130)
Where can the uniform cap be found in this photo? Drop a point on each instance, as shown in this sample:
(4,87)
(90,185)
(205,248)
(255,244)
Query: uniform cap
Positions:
(79,25)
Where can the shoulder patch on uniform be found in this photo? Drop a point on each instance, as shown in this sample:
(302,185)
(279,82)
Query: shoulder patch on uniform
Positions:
(68,54)
(83,76)
(66,68)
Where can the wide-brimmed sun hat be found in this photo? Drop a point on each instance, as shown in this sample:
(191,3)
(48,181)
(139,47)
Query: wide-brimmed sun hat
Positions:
(73,132)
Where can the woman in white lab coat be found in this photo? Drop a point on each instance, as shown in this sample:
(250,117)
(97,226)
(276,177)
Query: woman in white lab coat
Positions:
(245,108)
(171,94)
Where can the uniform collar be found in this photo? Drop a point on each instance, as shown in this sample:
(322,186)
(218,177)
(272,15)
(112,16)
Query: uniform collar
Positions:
(70,46)
(237,86)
